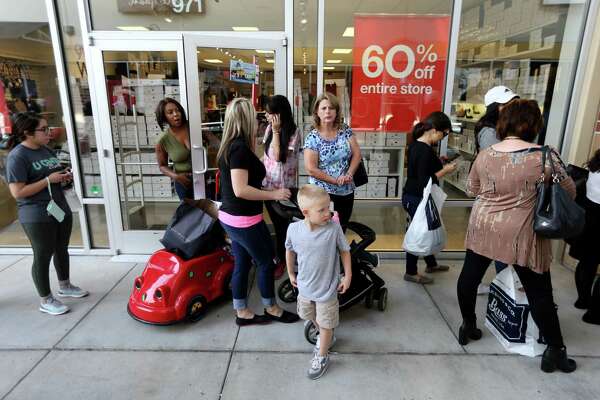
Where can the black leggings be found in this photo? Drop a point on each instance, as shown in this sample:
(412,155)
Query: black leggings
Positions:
(49,239)
(343,205)
(585,273)
(280,224)
(538,288)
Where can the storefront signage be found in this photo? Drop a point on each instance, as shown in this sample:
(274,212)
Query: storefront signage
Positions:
(160,6)
(243,72)
(399,70)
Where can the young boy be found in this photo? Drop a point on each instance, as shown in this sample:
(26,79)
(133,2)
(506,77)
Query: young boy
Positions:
(316,241)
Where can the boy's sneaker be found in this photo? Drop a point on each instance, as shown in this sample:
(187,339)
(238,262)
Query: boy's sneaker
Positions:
(318,366)
(318,344)
(72,291)
(52,306)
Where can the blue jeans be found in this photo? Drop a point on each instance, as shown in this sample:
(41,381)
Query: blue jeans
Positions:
(184,192)
(252,243)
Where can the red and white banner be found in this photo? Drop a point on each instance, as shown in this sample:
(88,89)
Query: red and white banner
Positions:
(399,70)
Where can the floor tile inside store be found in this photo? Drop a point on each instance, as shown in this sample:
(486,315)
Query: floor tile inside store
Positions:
(407,352)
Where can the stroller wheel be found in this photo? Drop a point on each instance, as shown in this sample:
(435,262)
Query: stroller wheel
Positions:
(286,292)
(311,332)
(382,302)
(369,299)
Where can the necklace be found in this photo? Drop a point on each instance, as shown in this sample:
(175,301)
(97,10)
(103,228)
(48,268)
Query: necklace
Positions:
(512,137)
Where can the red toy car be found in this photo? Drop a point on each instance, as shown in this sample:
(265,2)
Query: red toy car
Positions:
(172,289)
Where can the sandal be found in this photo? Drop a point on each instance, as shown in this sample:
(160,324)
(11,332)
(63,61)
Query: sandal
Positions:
(437,268)
(418,279)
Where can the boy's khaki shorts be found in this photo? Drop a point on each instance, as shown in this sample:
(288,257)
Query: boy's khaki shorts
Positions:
(326,314)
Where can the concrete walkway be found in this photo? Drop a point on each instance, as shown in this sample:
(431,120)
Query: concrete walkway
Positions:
(408,352)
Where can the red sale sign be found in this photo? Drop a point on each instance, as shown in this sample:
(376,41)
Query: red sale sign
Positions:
(399,70)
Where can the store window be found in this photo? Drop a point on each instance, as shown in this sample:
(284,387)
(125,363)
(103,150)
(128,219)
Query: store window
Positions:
(187,15)
(384,145)
(535,55)
(79,92)
(28,82)
(305,62)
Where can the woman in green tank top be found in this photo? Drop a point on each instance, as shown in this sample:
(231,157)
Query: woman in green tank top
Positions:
(174,144)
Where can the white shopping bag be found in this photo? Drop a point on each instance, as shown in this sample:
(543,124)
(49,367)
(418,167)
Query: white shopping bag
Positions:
(426,234)
(508,316)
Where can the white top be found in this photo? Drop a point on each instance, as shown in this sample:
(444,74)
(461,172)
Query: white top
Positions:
(593,187)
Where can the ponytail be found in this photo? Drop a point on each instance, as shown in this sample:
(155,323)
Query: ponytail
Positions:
(419,129)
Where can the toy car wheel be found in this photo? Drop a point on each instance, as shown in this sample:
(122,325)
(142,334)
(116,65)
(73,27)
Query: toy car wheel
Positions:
(287,292)
(369,299)
(382,302)
(196,308)
(311,332)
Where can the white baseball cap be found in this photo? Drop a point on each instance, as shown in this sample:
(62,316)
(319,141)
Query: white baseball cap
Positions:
(499,94)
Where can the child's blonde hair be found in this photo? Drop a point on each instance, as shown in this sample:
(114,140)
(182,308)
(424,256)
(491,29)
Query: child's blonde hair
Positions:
(309,194)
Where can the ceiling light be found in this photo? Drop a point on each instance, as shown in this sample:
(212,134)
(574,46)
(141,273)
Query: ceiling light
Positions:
(245,28)
(132,28)
(270,60)
(169,20)
(342,51)
(328,68)
(333,61)
(265,51)
(349,32)
(213,60)
(303,21)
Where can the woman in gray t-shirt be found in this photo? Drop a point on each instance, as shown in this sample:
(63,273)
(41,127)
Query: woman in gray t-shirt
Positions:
(32,169)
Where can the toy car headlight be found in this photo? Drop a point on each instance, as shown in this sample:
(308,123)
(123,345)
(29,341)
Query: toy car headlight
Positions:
(138,283)
(161,293)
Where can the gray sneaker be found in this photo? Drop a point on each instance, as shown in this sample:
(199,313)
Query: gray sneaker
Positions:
(72,291)
(318,344)
(318,366)
(53,307)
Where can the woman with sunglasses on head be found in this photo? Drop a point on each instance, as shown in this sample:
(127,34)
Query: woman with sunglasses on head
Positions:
(32,170)
(423,164)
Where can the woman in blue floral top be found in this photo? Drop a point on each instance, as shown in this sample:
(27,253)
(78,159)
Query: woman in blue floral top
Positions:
(332,155)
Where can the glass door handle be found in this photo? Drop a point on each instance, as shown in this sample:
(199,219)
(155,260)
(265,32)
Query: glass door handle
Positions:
(201,157)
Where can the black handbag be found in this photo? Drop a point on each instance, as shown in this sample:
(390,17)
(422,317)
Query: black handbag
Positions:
(360,175)
(557,216)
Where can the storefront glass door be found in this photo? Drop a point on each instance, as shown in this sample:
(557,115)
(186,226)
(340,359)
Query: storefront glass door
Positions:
(131,78)
(239,67)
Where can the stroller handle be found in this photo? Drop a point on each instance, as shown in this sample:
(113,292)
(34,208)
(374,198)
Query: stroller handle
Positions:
(366,234)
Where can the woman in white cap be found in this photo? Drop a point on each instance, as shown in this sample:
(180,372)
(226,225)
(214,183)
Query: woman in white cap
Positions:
(485,129)
(485,136)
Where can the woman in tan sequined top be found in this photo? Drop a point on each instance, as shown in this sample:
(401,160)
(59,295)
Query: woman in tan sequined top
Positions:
(503,179)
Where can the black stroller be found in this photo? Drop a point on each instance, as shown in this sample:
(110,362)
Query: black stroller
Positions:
(366,284)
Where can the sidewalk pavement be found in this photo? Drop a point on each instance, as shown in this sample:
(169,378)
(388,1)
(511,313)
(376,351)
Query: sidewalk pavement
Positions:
(408,352)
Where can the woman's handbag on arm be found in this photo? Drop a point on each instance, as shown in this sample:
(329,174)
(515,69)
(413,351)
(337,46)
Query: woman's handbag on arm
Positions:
(360,176)
(557,216)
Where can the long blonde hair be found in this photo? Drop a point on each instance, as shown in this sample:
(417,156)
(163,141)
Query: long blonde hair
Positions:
(240,121)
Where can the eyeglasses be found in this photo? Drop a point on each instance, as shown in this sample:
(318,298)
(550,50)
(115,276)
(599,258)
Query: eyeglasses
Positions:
(444,133)
(45,130)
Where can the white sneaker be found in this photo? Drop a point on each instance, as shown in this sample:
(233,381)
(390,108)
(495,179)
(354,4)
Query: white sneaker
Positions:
(318,344)
(52,306)
(483,289)
(72,291)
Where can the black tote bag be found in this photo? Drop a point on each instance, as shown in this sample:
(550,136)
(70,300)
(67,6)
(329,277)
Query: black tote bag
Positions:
(557,215)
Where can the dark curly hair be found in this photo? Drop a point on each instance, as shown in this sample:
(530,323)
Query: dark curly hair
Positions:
(594,163)
(24,124)
(161,118)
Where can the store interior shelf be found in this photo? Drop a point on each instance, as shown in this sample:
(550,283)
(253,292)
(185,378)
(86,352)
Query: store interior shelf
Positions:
(459,186)
(546,53)
(372,147)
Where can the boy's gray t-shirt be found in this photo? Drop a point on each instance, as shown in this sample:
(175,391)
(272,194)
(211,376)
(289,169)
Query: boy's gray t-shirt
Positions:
(318,258)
